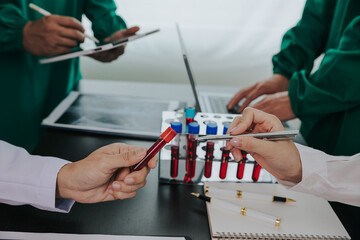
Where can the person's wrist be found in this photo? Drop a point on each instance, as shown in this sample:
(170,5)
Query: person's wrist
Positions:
(62,185)
(281,81)
(25,35)
(295,174)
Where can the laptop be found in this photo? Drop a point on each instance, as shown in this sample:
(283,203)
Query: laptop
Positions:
(209,102)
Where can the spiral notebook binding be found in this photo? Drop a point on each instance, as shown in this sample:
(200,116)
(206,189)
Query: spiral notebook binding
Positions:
(248,236)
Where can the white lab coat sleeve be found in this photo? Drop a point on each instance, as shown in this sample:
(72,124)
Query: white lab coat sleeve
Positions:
(29,179)
(334,178)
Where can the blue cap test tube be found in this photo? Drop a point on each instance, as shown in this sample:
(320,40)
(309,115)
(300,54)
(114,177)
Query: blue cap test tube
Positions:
(177,126)
(194,129)
(211,129)
(226,127)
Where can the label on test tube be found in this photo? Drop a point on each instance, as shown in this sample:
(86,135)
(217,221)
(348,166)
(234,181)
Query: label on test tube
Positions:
(175,148)
(211,129)
(191,146)
(164,138)
(225,156)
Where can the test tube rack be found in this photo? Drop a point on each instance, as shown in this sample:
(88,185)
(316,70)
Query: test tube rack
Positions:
(203,119)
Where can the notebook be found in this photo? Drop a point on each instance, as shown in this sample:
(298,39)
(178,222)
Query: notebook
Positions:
(309,217)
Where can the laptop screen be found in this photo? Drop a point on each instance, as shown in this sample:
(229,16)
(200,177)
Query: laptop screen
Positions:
(188,69)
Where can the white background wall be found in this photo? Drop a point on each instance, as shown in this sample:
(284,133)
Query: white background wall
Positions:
(230,42)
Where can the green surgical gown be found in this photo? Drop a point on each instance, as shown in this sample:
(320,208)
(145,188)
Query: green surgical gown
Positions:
(29,91)
(327,101)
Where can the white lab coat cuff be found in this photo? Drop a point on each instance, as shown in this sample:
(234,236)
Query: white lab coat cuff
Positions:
(314,170)
(47,192)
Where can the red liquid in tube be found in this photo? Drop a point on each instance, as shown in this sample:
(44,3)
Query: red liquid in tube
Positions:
(256,172)
(209,158)
(224,162)
(174,161)
(192,158)
(241,165)
(189,120)
(191,146)
(240,169)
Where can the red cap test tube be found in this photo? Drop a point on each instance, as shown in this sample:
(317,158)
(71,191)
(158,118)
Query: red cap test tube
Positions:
(164,138)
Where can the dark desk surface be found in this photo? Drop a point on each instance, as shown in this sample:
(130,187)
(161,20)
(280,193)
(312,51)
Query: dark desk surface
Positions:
(157,209)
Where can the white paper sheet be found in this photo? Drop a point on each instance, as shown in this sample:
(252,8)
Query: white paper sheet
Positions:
(61,236)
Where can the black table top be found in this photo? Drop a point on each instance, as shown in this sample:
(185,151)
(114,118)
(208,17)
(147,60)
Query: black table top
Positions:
(157,209)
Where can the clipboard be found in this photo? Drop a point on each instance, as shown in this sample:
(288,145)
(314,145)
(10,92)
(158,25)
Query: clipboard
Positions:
(111,114)
(100,48)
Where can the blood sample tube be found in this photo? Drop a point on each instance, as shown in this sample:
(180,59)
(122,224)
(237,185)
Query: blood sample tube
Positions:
(191,146)
(189,115)
(241,165)
(175,148)
(211,129)
(164,138)
(256,172)
(225,156)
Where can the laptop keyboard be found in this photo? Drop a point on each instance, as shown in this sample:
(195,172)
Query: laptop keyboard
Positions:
(218,104)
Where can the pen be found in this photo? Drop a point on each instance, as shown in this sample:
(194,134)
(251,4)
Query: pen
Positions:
(242,210)
(271,136)
(246,195)
(46,13)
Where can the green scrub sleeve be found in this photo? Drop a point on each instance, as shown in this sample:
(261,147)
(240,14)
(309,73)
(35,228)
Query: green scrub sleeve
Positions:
(103,17)
(334,87)
(11,27)
(302,44)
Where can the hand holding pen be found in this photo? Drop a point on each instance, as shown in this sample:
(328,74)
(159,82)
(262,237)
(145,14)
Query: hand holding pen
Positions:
(52,34)
(280,158)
